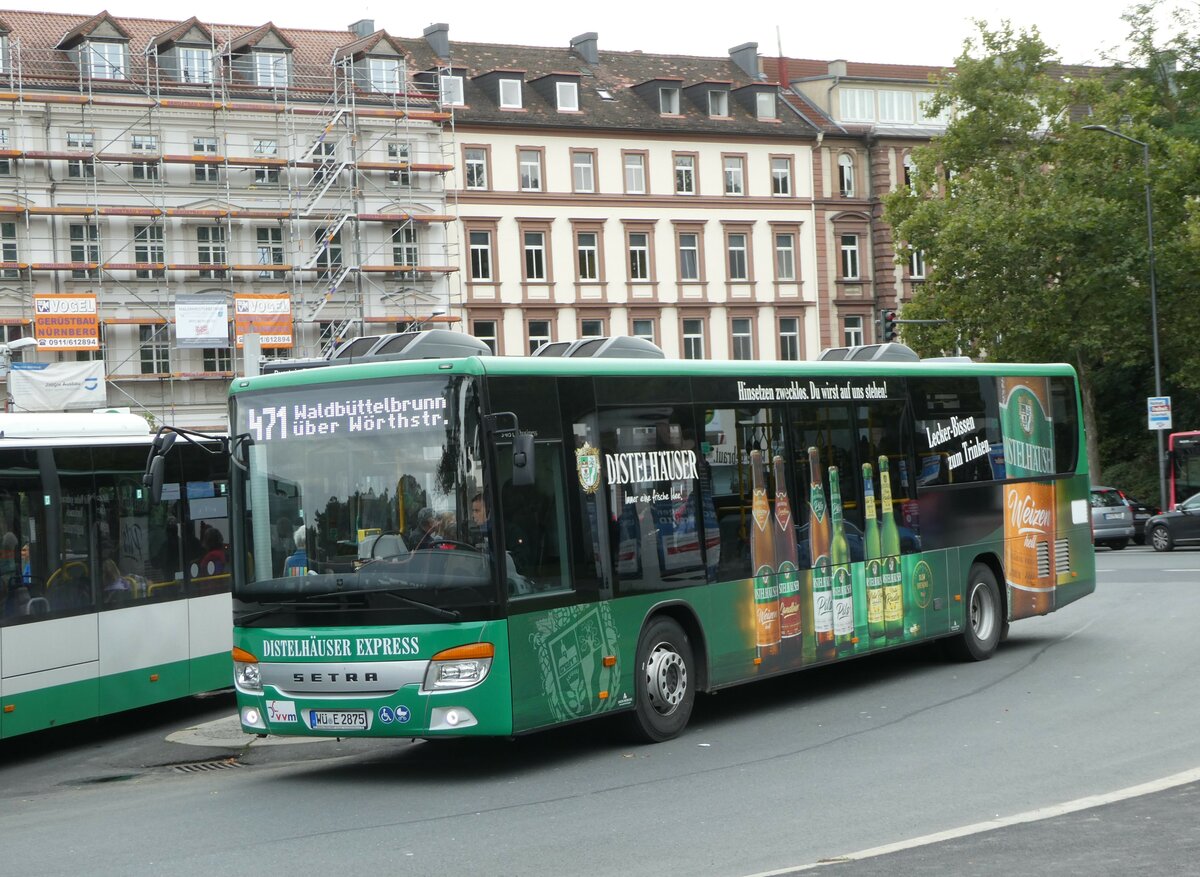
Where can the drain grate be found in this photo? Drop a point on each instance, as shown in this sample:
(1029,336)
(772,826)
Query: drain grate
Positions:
(202,766)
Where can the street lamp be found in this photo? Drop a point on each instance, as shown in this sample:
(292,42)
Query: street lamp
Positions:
(1162,454)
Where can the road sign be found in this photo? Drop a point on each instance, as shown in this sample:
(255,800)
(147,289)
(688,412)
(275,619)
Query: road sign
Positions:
(1158,412)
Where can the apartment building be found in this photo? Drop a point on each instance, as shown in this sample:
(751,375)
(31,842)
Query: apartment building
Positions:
(175,185)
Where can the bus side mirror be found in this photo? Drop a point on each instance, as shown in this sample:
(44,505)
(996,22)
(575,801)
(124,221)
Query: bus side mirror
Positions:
(164,441)
(153,478)
(522,461)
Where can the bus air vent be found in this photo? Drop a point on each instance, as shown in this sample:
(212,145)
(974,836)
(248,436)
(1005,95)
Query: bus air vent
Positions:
(1062,556)
(1043,559)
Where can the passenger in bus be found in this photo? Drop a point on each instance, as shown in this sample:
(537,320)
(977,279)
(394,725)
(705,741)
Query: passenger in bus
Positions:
(116,588)
(425,534)
(213,561)
(282,543)
(481,525)
(297,562)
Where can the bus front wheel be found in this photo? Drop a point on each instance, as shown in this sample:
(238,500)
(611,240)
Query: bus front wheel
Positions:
(984,621)
(665,683)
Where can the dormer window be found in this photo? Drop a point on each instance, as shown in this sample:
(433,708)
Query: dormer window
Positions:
(765,104)
(270,69)
(568,96)
(100,60)
(451,90)
(4,62)
(510,94)
(195,65)
(668,101)
(718,104)
(384,75)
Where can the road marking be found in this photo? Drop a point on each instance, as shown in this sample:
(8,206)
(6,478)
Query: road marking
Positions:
(1179,779)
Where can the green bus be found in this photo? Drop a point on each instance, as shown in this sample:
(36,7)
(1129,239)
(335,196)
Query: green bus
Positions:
(468,544)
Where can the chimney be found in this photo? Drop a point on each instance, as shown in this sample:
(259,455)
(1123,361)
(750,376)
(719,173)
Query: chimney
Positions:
(837,68)
(363,28)
(586,47)
(438,37)
(746,57)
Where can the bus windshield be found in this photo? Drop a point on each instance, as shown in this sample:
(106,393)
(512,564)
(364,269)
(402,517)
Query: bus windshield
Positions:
(362,502)
(1185,466)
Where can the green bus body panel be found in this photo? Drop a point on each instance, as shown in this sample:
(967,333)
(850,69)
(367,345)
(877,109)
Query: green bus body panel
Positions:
(58,705)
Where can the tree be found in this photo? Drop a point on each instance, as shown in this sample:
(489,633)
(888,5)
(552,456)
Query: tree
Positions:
(1034,230)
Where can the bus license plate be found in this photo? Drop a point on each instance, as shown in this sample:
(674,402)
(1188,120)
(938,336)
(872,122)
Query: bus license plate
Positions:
(339,720)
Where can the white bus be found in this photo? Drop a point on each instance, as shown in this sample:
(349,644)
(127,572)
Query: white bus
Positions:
(107,602)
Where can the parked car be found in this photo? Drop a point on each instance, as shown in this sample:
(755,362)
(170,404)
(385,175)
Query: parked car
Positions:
(1112,520)
(1179,527)
(1141,514)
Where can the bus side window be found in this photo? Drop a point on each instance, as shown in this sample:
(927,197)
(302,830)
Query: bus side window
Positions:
(532,524)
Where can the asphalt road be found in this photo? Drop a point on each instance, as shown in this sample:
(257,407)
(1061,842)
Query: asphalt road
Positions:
(898,764)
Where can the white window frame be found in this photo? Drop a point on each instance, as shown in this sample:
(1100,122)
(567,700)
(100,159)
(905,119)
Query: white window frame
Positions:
(634,166)
(149,248)
(450,90)
(529,165)
(846,182)
(266,147)
(692,338)
(5,164)
(268,242)
(637,326)
(487,331)
(587,255)
(533,256)
(8,248)
(789,339)
(737,246)
(103,60)
(211,249)
(896,107)
(639,255)
(510,94)
(144,170)
(475,158)
(401,153)
(406,245)
(85,247)
(857,104)
(385,75)
(270,69)
(764,105)
(735,174)
(741,338)
(583,171)
(668,101)
(852,330)
(718,103)
(195,65)
(154,348)
(479,242)
(850,257)
(781,177)
(81,168)
(543,335)
(567,94)
(916,265)
(685,174)
(785,256)
(206,172)
(689,245)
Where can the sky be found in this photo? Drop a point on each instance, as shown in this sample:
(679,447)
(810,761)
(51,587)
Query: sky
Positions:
(927,32)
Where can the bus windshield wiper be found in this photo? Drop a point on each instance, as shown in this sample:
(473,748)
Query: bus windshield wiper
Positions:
(408,601)
(328,599)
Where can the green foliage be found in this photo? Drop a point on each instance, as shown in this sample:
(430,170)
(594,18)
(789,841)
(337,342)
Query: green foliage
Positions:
(1034,229)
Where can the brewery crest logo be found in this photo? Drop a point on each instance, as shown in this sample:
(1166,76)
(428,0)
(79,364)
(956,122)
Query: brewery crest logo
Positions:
(587,464)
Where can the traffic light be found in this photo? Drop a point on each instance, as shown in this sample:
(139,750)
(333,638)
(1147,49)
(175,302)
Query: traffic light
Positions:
(888,321)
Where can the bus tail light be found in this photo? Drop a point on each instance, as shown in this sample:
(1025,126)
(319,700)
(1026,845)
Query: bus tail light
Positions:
(460,667)
(246,675)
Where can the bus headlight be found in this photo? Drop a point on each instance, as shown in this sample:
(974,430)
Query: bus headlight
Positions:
(460,667)
(246,675)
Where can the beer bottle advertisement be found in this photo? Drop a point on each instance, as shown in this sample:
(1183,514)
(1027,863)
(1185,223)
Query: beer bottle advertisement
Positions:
(889,544)
(787,563)
(762,559)
(839,558)
(818,551)
(1029,508)
(871,556)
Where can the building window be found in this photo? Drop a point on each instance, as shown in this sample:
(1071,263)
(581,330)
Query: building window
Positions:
(329,253)
(205,172)
(789,338)
(384,75)
(510,94)
(742,338)
(765,105)
(910,174)
(81,168)
(534,246)
(693,339)
(568,96)
(481,255)
(210,250)
(485,331)
(85,247)
(399,153)
(642,328)
(668,101)
(476,160)
(635,173)
(735,174)
(324,154)
(539,334)
(154,349)
(785,256)
(896,107)
(718,104)
(738,266)
(639,255)
(450,89)
(218,359)
(405,246)
(269,247)
(857,104)
(850,257)
(916,265)
(195,65)
(148,250)
(591,328)
(587,248)
(5,163)
(583,171)
(781,175)
(685,174)
(852,331)
(8,248)
(265,147)
(270,69)
(846,175)
(689,256)
(145,143)
(103,60)
(530,161)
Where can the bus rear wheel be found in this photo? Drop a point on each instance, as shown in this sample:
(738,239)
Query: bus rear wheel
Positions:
(664,682)
(984,621)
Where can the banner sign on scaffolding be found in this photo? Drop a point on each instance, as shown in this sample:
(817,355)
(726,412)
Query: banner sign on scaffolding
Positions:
(66,322)
(57,386)
(202,321)
(269,315)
